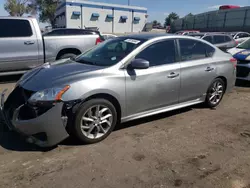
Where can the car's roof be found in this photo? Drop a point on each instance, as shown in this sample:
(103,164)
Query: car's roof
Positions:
(148,36)
(196,34)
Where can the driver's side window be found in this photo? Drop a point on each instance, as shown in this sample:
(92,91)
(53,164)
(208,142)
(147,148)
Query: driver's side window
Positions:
(159,53)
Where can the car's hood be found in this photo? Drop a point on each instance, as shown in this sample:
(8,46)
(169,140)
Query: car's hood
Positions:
(242,55)
(234,51)
(55,74)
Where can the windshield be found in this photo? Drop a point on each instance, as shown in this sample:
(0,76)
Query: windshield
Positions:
(233,34)
(244,45)
(109,52)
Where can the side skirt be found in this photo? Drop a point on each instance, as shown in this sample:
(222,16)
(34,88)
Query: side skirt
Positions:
(161,110)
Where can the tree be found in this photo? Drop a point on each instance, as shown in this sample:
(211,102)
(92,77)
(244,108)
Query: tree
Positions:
(156,24)
(190,14)
(170,18)
(17,7)
(46,9)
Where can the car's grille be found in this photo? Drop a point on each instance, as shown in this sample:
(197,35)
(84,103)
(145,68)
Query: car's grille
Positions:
(18,97)
(242,71)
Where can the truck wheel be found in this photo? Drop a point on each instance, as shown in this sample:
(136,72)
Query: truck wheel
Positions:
(66,56)
(215,93)
(95,120)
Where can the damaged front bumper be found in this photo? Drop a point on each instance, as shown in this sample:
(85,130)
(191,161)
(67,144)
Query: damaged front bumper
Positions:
(45,130)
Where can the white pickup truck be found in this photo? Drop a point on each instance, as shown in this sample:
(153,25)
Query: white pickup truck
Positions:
(23,47)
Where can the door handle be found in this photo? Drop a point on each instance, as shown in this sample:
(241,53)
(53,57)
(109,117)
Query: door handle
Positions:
(208,69)
(173,75)
(29,42)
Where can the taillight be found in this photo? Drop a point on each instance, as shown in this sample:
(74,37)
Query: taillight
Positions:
(98,40)
(234,61)
(236,42)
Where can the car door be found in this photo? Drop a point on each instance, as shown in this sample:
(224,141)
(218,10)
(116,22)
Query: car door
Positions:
(155,87)
(197,69)
(18,44)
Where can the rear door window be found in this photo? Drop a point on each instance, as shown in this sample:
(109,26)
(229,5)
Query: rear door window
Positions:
(15,28)
(194,50)
(218,39)
(208,39)
(227,39)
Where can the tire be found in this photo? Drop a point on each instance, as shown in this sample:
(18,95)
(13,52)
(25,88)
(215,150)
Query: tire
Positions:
(217,87)
(81,131)
(68,55)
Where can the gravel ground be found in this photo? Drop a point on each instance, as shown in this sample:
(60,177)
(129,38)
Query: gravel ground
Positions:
(192,147)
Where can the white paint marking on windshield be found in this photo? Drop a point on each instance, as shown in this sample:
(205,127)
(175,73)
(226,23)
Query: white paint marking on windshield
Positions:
(132,41)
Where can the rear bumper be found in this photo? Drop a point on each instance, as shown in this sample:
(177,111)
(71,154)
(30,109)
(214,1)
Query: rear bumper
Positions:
(51,124)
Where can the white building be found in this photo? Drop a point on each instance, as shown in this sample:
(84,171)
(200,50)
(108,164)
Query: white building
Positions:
(109,18)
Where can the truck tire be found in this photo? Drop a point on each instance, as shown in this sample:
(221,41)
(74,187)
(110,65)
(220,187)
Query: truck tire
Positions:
(68,55)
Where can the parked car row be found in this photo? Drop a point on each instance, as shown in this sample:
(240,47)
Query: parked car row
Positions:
(239,37)
(242,53)
(222,41)
(118,80)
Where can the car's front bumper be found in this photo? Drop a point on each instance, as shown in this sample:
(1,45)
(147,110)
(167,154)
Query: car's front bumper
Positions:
(51,125)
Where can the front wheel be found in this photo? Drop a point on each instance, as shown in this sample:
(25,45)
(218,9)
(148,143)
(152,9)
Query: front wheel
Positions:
(215,93)
(95,120)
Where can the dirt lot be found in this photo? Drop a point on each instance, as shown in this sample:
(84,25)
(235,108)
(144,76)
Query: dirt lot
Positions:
(193,147)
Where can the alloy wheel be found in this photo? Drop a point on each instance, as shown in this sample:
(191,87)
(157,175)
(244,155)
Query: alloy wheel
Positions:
(96,121)
(216,92)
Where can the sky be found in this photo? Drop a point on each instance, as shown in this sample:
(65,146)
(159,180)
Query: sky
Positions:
(159,9)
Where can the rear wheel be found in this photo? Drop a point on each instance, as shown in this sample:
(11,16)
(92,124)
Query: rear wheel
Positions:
(95,120)
(215,93)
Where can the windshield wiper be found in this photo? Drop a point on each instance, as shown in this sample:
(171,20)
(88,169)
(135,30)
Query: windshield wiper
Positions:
(85,62)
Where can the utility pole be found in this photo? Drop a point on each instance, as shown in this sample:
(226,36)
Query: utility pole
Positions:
(128,2)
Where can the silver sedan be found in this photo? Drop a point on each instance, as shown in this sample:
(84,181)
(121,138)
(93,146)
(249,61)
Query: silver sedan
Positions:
(119,80)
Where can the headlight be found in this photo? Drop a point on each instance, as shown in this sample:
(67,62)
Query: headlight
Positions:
(49,95)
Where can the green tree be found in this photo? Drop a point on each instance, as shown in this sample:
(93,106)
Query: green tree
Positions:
(155,22)
(190,14)
(170,18)
(46,10)
(17,7)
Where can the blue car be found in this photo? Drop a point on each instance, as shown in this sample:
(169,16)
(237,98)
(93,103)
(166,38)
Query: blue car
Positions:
(243,64)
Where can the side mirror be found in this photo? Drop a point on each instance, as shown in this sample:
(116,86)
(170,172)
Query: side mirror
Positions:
(139,64)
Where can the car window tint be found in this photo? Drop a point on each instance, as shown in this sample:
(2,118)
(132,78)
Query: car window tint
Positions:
(159,53)
(208,39)
(15,28)
(193,50)
(219,39)
(227,39)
